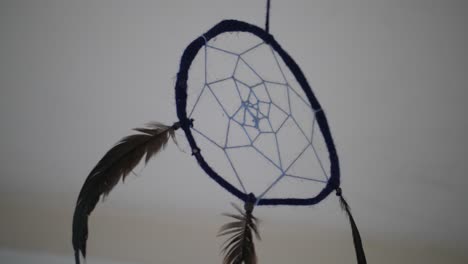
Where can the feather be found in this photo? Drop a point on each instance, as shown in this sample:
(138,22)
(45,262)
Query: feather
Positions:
(117,163)
(239,247)
(360,255)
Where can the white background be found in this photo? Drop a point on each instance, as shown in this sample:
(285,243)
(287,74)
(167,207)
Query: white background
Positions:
(76,76)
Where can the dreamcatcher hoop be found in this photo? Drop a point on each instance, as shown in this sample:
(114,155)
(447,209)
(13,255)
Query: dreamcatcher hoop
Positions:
(181,87)
(121,159)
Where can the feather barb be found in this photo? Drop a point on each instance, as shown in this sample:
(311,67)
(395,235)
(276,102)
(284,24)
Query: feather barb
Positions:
(116,164)
(239,247)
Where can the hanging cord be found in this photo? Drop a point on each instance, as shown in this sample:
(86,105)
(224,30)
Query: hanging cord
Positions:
(361,257)
(267,19)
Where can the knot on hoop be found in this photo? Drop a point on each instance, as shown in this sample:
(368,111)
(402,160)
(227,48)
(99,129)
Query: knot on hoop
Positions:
(250,202)
(195,151)
(176,125)
(339,192)
(186,123)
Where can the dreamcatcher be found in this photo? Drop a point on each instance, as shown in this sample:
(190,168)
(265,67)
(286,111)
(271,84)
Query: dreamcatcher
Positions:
(253,125)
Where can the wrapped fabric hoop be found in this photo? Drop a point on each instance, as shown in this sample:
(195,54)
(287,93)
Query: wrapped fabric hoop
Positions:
(181,101)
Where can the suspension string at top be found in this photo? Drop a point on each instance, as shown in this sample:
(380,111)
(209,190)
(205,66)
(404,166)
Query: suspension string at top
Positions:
(267,20)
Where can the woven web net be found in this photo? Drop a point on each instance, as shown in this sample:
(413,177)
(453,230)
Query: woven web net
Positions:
(253,123)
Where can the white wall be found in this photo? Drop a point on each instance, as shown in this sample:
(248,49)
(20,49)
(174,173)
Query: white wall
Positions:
(182,236)
(75,76)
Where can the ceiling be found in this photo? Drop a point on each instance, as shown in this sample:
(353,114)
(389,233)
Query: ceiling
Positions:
(76,76)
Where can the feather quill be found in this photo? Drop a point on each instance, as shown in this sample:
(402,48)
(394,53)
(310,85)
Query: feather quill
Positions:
(239,247)
(116,164)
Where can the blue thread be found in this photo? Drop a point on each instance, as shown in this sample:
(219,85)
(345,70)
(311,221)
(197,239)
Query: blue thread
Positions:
(181,96)
(255,115)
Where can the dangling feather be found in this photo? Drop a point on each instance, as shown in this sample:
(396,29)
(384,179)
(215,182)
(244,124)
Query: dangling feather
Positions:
(117,163)
(240,248)
(360,255)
